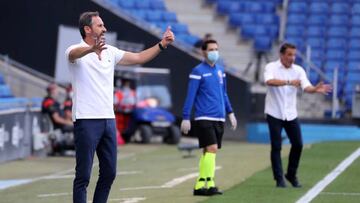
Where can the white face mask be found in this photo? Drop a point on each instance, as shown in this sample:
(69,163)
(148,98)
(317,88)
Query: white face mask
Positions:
(213,56)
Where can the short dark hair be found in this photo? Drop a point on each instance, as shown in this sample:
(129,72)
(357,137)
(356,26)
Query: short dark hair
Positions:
(205,44)
(86,20)
(286,46)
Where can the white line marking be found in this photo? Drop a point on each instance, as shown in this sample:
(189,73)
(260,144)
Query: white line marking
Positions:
(54,175)
(341,193)
(313,192)
(54,195)
(128,200)
(121,173)
(174,182)
(188,169)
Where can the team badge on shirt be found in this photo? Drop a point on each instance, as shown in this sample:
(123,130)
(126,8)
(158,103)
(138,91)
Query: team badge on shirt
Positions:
(220,75)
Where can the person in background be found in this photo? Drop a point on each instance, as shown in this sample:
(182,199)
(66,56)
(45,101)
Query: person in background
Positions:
(283,79)
(207,92)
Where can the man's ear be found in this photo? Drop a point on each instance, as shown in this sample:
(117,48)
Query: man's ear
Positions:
(87,29)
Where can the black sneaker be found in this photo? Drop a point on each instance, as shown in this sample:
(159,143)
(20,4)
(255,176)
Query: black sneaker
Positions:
(293,180)
(214,191)
(201,192)
(280,183)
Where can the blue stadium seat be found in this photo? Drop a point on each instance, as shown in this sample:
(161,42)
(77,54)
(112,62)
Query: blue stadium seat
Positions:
(354,66)
(296,19)
(331,64)
(127,4)
(338,43)
(355,32)
(142,4)
(237,19)
(339,20)
(356,9)
(180,28)
(340,8)
(354,55)
(297,7)
(298,42)
(355,21)
(338,31)
(248,31)
(335,54)
(227,7)
(354,44)
(263,43)
(315,31)
(317,19)
(319,7)
(154,16)
(295,31)
(317,54)
(157,5)
(316,43)
(255,7)
(267,19)
(169,16)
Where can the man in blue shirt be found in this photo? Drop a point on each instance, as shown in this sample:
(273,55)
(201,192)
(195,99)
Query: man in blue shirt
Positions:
(207,92)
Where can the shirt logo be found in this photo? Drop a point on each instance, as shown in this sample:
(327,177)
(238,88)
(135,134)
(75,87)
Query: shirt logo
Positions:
(207,74)
(220,75)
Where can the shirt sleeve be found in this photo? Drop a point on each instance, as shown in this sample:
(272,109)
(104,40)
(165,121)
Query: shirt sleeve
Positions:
(228,107)
(194,83)
(118,54)
(268,74)
(68,50)
(304,79)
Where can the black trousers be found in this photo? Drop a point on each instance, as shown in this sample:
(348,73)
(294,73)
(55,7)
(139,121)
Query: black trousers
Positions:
(292,129)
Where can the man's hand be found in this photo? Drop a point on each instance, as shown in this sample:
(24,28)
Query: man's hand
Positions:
(295,83)
(185,126)
(323,88)
(233,121)
(99,46)
(168,37)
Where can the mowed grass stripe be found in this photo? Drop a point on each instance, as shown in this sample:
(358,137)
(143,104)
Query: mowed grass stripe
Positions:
(317,161)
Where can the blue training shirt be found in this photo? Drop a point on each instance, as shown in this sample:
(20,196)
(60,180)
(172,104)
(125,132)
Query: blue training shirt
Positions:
(207,88)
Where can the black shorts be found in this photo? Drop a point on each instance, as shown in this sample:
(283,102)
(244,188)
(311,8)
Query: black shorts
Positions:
(209,132)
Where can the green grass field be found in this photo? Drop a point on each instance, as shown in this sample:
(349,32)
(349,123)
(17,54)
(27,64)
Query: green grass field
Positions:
(159,173)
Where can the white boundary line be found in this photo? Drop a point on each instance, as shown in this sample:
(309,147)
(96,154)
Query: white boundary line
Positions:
(313,192)
(54,175)
(341,193)
(170,184)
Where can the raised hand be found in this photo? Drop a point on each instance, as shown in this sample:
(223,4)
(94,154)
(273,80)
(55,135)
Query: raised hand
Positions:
(99,46)
(323,88)
(168,37)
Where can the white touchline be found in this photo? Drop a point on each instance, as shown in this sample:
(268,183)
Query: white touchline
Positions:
(54,194)
(313,192)
(174,182)
(128,200)
(54,175)
(341,193)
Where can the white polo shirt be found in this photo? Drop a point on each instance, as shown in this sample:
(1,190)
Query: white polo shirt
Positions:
(93,83)
(280,101)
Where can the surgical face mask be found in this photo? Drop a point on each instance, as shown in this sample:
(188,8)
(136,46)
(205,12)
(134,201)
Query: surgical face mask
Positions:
(213,56)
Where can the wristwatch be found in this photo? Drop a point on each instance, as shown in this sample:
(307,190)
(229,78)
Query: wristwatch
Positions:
(161,47)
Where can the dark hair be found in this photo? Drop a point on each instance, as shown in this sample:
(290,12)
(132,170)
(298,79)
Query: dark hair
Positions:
(86,20)
(205,44)
(285,46)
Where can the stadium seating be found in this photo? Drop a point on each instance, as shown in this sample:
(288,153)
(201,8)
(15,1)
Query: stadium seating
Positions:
(256,19)
(332,29)
(155,13)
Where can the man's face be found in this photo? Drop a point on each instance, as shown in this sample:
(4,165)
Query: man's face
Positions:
(97,28)
(288,58)
(210,47)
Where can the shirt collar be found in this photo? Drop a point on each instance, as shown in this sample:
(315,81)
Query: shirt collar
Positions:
(282,66)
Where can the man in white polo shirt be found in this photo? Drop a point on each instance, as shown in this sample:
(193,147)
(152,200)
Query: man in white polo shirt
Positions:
(92,65)
(283,79)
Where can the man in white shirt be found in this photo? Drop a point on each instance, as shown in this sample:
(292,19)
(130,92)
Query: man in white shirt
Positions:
(92,65)
(283,79)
